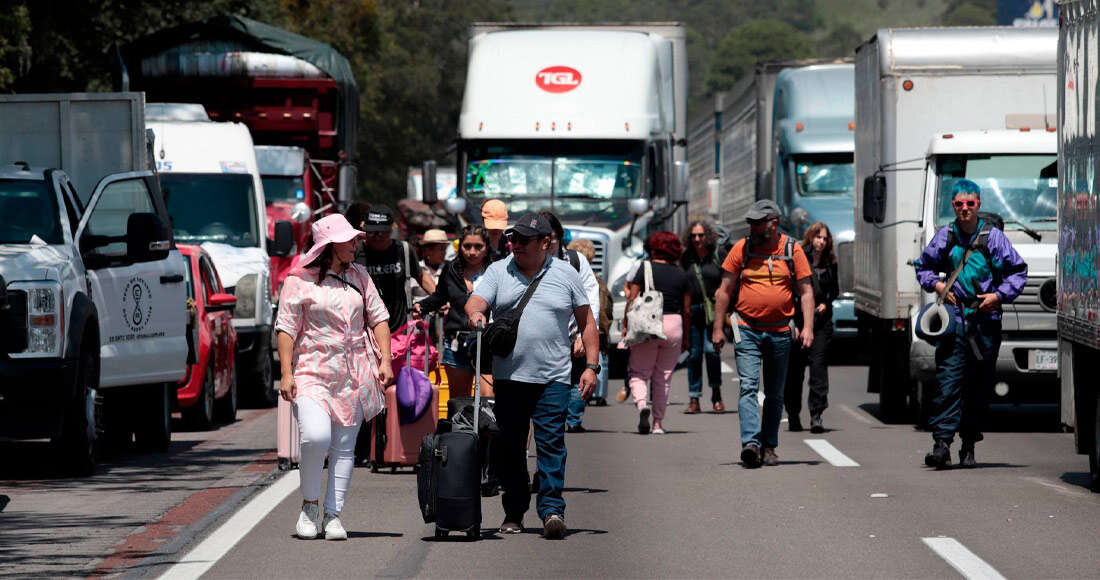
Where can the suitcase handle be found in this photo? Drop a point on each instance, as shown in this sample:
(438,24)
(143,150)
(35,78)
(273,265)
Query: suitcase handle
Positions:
(477,379)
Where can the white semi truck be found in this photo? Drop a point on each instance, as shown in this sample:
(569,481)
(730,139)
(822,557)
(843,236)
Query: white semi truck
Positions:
(1079,229)
(587,121)
(935,105)
(93,309)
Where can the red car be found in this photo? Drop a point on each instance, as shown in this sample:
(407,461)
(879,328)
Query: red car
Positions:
(209,391)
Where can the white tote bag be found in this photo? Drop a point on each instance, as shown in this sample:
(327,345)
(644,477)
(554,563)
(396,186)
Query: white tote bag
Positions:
(645,319)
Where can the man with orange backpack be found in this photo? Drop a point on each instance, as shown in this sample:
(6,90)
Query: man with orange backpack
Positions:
(763,273)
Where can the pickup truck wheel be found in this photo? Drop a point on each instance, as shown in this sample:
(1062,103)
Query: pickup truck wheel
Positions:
(267,394)
(81,438)
(1094,454)
(225,409)
(201,414)
(154,428)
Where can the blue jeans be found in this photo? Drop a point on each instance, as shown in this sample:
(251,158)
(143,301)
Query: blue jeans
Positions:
(702,347)
(964,381)
(770,350)
(518,405)
(577,404)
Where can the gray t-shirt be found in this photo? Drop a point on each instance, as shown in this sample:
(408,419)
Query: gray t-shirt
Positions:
(543,352)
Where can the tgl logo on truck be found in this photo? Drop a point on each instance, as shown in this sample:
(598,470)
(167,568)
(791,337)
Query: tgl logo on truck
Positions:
(558,79)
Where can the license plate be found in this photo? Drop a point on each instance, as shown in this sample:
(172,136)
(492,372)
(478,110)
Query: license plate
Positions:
(1044,360)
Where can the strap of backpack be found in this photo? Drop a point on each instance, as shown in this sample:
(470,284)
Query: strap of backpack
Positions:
(574,259)
(408,276)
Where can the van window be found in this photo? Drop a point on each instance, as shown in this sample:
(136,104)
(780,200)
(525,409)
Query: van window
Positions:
(212,207)
(28,208)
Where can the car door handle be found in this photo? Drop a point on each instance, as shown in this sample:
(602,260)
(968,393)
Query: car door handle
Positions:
(171,279)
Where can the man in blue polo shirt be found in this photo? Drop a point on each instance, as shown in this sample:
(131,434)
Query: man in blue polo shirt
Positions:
(532,384)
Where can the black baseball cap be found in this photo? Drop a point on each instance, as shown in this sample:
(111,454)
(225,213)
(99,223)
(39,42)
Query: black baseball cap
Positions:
(379,218)
(762,210)
(531,224)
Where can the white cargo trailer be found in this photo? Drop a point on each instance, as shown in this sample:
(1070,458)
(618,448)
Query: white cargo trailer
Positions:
(913,85)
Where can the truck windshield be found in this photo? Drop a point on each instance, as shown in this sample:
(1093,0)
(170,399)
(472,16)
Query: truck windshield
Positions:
(824,175)
(211,207)
(1022,188)
(28,208)
(283,189)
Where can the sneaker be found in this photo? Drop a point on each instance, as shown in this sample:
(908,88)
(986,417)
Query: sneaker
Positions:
(553,527)
(816,426)
(334,530)
(966,456)
(578,428)
(750,455)
(794,423)
(940,456)
(511,527)
(693,407)
(770,458)
(306,528)
(597,402)
(719,406)
(643,421)
(658,431)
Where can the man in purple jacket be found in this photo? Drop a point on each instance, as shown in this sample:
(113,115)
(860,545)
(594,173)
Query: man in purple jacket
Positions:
(966,360)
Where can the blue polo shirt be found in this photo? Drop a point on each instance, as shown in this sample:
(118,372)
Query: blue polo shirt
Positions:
(543,352)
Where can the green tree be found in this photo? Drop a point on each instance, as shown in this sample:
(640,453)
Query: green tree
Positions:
(971,13)
(840,41)
(754,41)
(15,49)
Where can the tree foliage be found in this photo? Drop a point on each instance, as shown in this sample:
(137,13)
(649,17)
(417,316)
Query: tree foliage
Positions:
(752,42)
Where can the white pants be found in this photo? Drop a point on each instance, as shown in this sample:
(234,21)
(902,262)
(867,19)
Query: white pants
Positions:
(322,436)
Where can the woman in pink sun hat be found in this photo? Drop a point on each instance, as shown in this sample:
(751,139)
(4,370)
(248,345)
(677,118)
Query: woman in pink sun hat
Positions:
(334,347)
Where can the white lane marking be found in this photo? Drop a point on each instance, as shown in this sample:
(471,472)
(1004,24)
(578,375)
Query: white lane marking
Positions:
(965,562)
(860,415)
(830,453)
(199,560)
(1062,489)
(727,369)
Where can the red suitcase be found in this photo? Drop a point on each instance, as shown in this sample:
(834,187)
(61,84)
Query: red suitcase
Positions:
(289,443)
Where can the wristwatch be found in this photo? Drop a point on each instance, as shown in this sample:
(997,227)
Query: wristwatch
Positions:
(595,368)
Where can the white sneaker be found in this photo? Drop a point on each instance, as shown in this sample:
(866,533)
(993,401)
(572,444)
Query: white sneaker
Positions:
(658,431)
(334,530)
(307,521)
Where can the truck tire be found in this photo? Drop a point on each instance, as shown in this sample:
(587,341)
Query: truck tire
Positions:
(1094,453)
(225,409)
(264,391)
(81,436)
(922,404)
(153,430)
(201,415)
(895,385)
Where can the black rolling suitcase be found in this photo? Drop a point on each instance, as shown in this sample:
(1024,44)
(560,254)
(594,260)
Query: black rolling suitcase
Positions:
(449,475)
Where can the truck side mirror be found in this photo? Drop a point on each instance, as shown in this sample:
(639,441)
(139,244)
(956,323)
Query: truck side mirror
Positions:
(148,238)
(874,199)
(455,205)
(429,193)
(283,242)
(680,185)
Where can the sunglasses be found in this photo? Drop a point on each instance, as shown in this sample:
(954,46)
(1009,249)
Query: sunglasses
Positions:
(520,239)
(961,203)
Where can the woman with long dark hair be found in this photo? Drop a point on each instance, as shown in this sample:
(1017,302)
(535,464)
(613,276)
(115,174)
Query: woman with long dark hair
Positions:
(334,348)
(704,270)
(654,360)
(457,281)
(818,245)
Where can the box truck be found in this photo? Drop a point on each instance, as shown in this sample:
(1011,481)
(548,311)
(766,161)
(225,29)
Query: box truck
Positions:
(587,121)
(1078,290)
(93,309)
(935,105)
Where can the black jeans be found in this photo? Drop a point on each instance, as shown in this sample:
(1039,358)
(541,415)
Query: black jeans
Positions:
(816,358)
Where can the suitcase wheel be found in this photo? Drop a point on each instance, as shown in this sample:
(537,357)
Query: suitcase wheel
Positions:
(373,467)
(393,469)
(472,534)
(440,533)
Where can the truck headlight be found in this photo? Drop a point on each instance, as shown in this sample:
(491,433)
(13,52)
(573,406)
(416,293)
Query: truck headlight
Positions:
(45,319)
(246,296)
(618,287)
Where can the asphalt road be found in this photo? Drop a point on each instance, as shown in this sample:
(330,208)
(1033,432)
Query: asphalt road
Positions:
(682,505)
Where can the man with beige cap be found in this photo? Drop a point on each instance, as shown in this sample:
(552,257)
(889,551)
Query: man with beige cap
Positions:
(494,216)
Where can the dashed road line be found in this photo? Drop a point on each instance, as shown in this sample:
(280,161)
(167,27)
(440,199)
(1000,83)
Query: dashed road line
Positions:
(1062,489)
(860,415)
(830,453)
(199,560)
(727,369)
(965,562)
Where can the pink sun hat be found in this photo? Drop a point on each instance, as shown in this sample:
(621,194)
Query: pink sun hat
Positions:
(331,229)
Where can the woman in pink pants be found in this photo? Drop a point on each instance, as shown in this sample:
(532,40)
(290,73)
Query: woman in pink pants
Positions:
(654,360)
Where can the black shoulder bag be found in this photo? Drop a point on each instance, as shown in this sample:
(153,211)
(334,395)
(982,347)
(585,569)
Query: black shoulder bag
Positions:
(500,334)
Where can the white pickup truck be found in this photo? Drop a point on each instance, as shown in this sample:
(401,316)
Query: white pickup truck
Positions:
(92,303)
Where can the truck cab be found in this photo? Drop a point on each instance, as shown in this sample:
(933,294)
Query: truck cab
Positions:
(215,197)
(92,311)
(814,137)
(1018,173)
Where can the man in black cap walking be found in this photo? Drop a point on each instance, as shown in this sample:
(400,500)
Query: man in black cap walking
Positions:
(765,274)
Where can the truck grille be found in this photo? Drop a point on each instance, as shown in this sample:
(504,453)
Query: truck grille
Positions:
(599,261)
(13,323)
(845,266)
(1028,300)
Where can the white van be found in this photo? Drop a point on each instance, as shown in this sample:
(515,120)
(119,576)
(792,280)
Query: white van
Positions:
(215,198)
